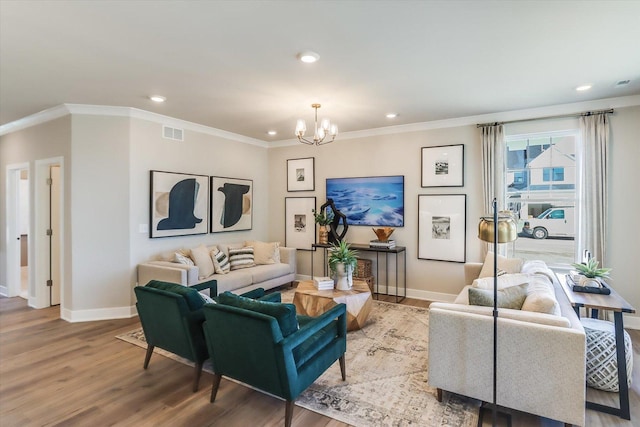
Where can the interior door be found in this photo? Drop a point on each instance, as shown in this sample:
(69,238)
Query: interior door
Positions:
(54,236)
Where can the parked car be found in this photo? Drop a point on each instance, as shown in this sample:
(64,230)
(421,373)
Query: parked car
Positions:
(554,222)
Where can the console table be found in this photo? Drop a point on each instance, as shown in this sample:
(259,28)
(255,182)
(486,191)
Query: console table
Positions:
(387,253)
(618,305)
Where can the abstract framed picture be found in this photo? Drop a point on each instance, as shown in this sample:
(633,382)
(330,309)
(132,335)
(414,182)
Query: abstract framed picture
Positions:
(375,201)
(442,227)
(300,227)
(231,204)
(301,174)
(179,204)
(443,166)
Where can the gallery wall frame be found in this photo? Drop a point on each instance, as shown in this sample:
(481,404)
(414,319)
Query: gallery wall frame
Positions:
(372,201)
(231,204)
(179,204)
(443,166)
(301,174)
(300,227)
(442,227)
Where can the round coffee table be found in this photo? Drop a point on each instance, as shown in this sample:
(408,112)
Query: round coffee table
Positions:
(309,301)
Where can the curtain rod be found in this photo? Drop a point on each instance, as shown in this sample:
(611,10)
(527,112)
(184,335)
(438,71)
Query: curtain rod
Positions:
(587,113)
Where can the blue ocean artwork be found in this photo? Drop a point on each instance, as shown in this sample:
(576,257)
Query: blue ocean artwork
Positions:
(375,201)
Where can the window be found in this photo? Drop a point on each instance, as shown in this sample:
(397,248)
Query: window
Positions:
(541,190)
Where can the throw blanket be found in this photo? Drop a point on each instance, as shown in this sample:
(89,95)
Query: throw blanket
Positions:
(537,267)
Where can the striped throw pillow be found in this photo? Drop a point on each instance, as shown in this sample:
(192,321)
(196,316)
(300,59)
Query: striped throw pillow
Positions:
(241,258)
(220,261)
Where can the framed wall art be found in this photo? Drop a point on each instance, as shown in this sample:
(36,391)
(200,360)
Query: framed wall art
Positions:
(179,204)
(442,227)
(301,174)
(376,201)
(443,166)
(300,227)
(231,204)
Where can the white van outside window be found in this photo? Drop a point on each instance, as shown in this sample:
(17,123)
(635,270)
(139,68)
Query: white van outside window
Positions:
(554,222)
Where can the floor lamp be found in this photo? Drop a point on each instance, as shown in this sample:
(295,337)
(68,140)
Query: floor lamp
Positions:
(505,231)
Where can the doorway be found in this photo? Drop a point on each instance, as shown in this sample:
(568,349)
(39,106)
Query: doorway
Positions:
(18,239)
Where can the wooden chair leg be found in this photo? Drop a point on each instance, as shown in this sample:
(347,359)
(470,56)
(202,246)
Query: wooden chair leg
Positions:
(439,395)
(196,380)
(343,369)
(214,387)
(147,357)
(288,413)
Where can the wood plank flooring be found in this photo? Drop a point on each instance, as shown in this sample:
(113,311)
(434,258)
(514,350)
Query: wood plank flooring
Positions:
(55,373)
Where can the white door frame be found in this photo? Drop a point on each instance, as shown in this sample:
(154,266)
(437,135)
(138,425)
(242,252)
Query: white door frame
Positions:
(12,287)
(40,239)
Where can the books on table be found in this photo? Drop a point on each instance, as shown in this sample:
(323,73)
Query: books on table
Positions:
(389,244)
(323,283)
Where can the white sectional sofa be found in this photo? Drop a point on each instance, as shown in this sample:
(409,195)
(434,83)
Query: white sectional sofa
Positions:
(541,357)
(266,276)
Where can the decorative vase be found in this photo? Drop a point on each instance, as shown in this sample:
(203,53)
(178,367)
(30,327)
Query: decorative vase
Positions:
(589,282)
(323,235)
(343,277)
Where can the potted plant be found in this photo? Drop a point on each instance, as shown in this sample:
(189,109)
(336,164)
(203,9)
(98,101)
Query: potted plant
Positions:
(323,218)
(590,273)
(342,262)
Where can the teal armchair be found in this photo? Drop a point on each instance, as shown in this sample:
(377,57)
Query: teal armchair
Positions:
(171,317)
(265,345)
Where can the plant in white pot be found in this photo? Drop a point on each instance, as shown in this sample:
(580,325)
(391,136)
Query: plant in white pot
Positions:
(590,274)
(342,262)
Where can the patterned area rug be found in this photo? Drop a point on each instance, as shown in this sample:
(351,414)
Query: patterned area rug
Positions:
(386,382)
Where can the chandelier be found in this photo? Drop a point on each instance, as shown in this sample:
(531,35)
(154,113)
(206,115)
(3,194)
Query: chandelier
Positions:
(320,132)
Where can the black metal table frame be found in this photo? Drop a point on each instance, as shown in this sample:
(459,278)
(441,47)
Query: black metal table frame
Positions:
(366,248)
(623,386)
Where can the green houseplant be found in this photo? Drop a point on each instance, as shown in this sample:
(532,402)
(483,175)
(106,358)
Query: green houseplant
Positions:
(342,262)
(591,273)
(323,218)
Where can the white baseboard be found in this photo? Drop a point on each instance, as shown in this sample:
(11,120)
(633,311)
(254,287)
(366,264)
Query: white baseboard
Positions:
(98,314)
(4,291)
(631,322)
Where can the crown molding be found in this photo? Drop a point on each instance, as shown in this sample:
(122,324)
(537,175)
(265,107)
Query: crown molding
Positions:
(560,109)
(34,119)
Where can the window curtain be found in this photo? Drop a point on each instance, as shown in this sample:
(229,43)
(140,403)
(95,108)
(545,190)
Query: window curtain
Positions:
(592,211)
(493,171)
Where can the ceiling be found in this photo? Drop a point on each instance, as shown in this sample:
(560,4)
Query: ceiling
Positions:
(232,65)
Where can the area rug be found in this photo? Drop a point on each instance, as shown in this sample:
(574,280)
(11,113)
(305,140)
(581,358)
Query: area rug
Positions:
(386,384)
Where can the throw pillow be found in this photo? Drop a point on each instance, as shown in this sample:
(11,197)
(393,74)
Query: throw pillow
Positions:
(264,253)
(202,259)
(512,297)
(285,314)
(180,258)
(504,281)
(241,258)
(509,265)
(206,298)
(191,296)
(541,297)
(220,261)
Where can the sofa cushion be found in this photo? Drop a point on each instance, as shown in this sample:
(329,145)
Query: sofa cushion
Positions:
(220,261)
(504,281)
(192,297)
(264,253)
(202,259)
(511,297)
(234,280)
(541,296)
(262,273)
(285,314)
(241,258)
(508,265)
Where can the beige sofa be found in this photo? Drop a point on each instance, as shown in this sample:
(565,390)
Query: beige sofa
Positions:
(265,276)
(541,357)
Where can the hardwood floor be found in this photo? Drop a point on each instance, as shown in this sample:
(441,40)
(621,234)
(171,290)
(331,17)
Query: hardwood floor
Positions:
(57,373)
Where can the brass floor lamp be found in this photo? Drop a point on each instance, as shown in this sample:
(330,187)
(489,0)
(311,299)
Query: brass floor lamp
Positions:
(505,232)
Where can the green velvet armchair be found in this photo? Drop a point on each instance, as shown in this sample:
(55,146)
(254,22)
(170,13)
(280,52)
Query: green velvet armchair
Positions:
(171,317)
(265,345)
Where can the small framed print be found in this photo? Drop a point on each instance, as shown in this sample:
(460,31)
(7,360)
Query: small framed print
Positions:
(300,226)
(442,227)
(231,204)
(443,166)
(301,174)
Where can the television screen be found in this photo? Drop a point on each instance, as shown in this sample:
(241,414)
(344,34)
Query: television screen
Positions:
(376,201)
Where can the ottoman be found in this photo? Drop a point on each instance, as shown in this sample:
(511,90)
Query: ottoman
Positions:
(602,365)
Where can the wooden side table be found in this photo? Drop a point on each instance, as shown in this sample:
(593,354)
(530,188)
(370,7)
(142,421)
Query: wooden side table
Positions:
(618,305)
(310,301)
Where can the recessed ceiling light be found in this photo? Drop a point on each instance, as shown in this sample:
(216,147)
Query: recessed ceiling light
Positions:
(272,132)
(392,115)
(157,98)
(308,57)
(583,88)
